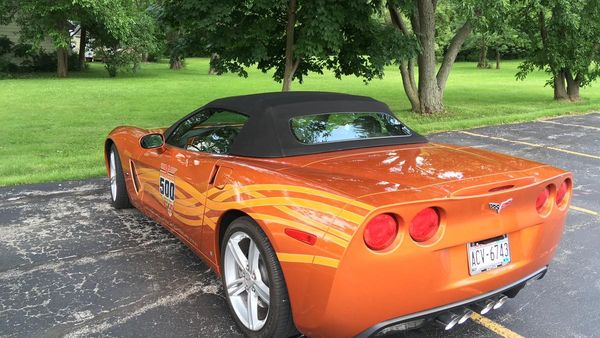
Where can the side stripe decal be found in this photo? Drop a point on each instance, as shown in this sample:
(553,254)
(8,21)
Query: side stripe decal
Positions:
(188,207)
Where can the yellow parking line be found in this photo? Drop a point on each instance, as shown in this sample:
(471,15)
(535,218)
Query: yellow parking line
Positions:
(569,124)
(531,145)
(589,212)
(500,139)
(495,327)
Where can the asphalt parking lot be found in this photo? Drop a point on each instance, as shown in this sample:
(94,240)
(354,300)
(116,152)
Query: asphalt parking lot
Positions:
(72,266)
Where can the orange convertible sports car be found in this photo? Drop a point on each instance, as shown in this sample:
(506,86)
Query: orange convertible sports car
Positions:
(324,214)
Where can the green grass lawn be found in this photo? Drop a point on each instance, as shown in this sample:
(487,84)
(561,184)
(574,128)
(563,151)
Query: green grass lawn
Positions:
(53,129)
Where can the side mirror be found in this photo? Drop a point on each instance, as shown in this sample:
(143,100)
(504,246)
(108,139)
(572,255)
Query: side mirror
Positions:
(152,141)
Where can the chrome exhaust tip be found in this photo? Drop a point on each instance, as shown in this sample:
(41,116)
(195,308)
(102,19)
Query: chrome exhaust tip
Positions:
(465,316)
(447,320)
(483,307)
(500,302)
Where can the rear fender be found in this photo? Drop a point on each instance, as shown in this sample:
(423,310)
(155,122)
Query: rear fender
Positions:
(289,203)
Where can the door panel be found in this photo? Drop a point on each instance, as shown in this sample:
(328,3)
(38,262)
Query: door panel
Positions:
(192,179)
(152,167)
(197,144)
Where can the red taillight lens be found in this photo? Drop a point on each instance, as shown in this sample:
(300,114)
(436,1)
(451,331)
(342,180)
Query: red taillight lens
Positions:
(542,198)
(561,192)
(380,232)
(425,224)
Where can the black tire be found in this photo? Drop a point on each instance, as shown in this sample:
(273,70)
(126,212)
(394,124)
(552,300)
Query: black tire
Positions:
(279,321)
(120,197)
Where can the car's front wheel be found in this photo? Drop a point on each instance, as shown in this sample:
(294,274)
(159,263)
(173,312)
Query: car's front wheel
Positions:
(118,190)
(254,283)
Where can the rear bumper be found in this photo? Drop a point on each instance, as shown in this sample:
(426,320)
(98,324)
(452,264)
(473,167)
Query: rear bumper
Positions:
(510,290)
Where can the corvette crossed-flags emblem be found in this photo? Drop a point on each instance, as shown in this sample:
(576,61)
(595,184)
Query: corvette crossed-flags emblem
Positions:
(498,207)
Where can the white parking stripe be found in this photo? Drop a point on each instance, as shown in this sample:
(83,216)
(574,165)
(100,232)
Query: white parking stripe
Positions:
(569,124)
(531,145)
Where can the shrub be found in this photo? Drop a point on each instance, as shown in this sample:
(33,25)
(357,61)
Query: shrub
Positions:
(118,59)
(5,51)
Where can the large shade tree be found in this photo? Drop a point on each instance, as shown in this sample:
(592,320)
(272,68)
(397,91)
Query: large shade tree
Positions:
(563,41)
(111,20)
(494,42)
(123,31)
(40,19)
(291,37)
(419,19)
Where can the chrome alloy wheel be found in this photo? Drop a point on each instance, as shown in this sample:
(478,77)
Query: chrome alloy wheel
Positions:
(113,176)
(247,281)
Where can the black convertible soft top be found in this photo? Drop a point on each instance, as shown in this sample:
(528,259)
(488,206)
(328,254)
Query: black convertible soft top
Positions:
(267,132)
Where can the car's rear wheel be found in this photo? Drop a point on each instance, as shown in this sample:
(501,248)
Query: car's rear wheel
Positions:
(253,281)
(118,190)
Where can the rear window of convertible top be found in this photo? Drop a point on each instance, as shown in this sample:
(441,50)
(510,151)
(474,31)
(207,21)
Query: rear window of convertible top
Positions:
(339,127)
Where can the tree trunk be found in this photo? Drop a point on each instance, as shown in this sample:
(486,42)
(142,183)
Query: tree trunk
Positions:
(497,59)
(483,50)
(82,43)
(176,63)
(407,68)
(455,45)
(429,93)
(410,88)
(214,58)
(560,91)
(62,65)
(290,64)
(427,96)
(573,85)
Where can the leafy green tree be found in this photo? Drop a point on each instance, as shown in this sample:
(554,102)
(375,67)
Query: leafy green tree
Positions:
(418,19)
(563,41)
(124,34)
(118,22)
(494,31)
(175,40)
(507,40)
(7,11)
(39,19)
(291,37)
(500,41)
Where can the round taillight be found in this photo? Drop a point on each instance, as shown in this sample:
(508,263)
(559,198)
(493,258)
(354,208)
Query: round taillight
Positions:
(380,232)
(425,224)
(542,198)
(561,192)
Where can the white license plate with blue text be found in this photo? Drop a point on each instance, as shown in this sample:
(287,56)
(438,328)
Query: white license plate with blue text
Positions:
(488,255)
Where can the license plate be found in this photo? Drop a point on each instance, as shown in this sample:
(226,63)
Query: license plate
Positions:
(488,255)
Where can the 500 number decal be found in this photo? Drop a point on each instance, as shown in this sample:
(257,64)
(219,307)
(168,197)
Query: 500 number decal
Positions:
(167,189)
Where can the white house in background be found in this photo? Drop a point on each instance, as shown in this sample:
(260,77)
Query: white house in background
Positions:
(13,32)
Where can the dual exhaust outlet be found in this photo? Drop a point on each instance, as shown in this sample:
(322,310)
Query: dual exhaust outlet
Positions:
(451,318)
